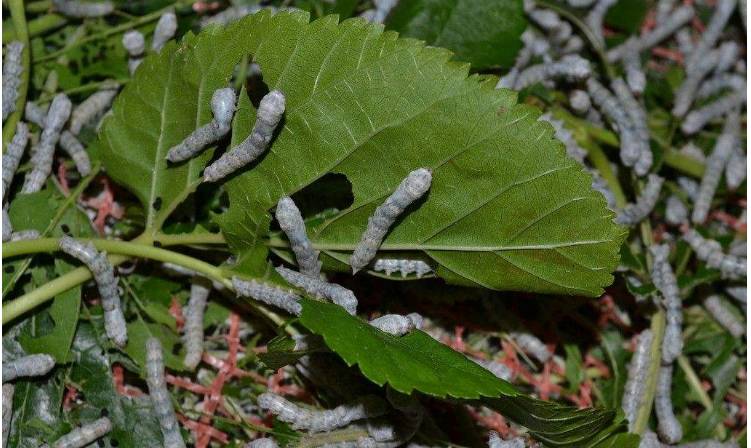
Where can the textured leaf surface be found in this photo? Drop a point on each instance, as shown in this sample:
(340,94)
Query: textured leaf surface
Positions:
(483,32)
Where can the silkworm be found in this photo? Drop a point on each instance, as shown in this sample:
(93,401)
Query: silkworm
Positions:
(735,169)
(193,328)
(638,368)
(164,31)
(664,279)
(677,19)
(160,397)
(231,14)
(566,137)
(403,266)
(570,66)
(738,293)
(611,107)
(271,295)
(635,76)
(104,276)
(686,93)
(265,442)
(7,227)
(685,41)
(13,154)
(532,345)
(710,251)
(412,188)
(85,435)
(322,420)
(698,118)
(650,440)
(24,235)
(708,443)
(396,324)
(689,186)
(8,390)
(135,45)
(495,441)
(79,10)
(574,44)
(668,427)
(676,212)
(579,101)
(693,151)
(76,151)
(534,45)
(638,117)
(720,82)
(31,365)
(600,185)
(596,16)
(35,114)
(498,369)
(42,156)
(580,3)
(634,213)
(92,107)
(291,222)
(724,146)
(715,27)
(12,70)
(380,12)
(719,312)
(270,112)
(223,108)
(321,289)
(663,10)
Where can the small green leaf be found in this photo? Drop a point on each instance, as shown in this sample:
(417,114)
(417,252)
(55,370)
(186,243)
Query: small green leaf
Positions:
(280,352)
(139,331)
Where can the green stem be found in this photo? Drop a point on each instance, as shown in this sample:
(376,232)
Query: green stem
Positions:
(601,163)
(18,17)
(682,163)
(186,239)
(39,6)
(36,27)
(650,386)
(695,384)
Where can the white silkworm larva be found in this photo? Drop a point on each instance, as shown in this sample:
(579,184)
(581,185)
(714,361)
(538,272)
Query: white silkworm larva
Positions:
(611,107)
(135,45)
(677,19)
(104,276)
(574,44)
(684,97)
(570,66)
(13,154)
(708,443)
(724,146)
(495,441)
(689,186)
(271,295)
(291,222)
(76,151)
(712,32)
(532,345)
(403,266)
(193,328)
(668,427)
(322,420)
(720,82)
(24,235)
(31,365)
(739,293)
(42,156)
(84,435)
(164,31)
(396,324)
(710,251)
(12,70)
(412,188)
(596,16)
(35,114)
(77,9)
(566,137)
(8,390)
(735,169)
(600,185)
(223,108)
(92,107)
(676,212)
(663,10)
(7,227)
(634,213)
(265,442)
(160,397)
(635,76)
(270,112)
(719,312)
(380,12)
(650,440)
(580,3)
(665,281)
(231,14)
(321,289)
(638,369)
(685,41)
(498,369)
(579,101)
(638,116)
(698,118)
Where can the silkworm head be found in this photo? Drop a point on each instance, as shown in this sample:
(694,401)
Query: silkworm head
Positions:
(272,106)
(59,111)
(223,105)
(134,43)
(418,182)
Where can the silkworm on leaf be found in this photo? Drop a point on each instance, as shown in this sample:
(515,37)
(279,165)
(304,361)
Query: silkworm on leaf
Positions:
(25,235)
(268,116)
(265,442)
(571,66)
(13,154)
(396,324)
(412,188)
(403,266)
(596,16)
(679,17)
(638,369)
(723,11)
(321,289)
(735,169)
(566,137)
(291,222)
(31,365)
(271,295)
(223,108)
(710,251)
(104,276)
(720,312)
(85,435)
(322,420)
(42,155)
(164,31)
(80,10)
(7,227)
(12,70)
(231,14)
(724,146)
(668,427)
(92,107)
(160,397)
(676,212)
(634,213)
(498,369)
(193,328)
(611,107)
(8,390)
(76,151)
(531,345)
(135,45)
(664,279)
(495,441)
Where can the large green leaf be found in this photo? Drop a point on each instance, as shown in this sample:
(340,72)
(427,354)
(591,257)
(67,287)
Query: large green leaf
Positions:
(418,362)
(483,32)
